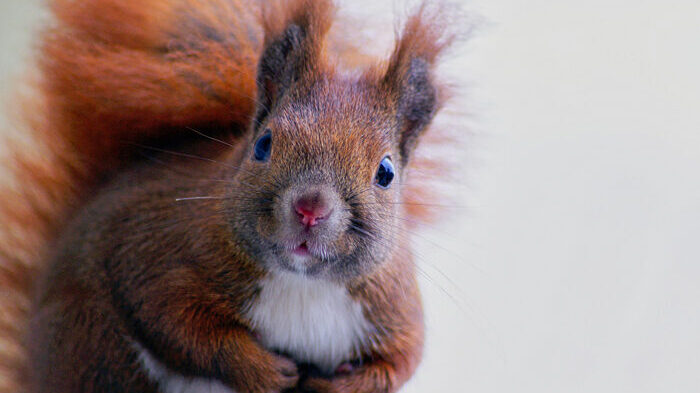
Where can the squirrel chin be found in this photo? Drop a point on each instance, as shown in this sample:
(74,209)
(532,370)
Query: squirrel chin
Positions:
(302,258)
(299,263)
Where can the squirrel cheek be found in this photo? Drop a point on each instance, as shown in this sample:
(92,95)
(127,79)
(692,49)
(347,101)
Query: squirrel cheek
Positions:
(344,245)
(265,227)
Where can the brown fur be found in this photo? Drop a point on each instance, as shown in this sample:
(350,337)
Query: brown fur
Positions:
(118,75)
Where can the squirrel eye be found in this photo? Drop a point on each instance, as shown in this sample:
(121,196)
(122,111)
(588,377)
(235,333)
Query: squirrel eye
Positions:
(263,146)
(385,173)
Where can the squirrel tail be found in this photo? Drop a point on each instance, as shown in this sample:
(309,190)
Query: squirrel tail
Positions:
(115,75)
(112,75)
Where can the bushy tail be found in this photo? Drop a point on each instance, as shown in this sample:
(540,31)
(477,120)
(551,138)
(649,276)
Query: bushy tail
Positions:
(113,74)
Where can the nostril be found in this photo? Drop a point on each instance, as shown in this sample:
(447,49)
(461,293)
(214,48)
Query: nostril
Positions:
(311,211)
(308,217)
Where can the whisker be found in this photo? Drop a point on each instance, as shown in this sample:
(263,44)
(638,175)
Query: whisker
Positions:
(405,234)
(210,137)
(198,197)
(461,258)
(196,157)
(355,195)
(360,230)
(416,204)
(271,182)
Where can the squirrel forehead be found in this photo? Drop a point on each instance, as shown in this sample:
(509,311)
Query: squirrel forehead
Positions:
(335,114)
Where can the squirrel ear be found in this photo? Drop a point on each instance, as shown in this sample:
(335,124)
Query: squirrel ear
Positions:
(294,41)
(409,77)
(416,103)
(278,68)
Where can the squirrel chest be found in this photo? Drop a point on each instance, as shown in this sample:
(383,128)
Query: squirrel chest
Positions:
(314,321)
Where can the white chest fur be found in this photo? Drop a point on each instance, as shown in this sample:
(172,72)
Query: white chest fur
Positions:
(313,321)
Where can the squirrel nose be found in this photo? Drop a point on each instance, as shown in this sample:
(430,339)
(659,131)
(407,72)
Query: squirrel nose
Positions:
(311,208)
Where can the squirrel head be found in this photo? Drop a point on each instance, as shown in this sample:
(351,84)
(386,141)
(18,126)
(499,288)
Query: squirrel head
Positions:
(320,184)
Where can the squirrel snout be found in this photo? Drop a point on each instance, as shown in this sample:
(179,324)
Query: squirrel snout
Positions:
(311,208)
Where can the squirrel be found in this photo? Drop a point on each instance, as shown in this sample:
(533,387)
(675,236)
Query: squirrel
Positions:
(212,202)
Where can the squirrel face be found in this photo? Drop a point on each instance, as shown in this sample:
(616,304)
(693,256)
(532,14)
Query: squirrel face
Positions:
(319,185)
(319,190)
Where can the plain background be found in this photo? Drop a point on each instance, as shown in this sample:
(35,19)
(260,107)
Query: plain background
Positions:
(571,260)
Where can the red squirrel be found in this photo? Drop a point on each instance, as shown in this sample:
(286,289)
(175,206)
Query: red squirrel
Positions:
(214,202)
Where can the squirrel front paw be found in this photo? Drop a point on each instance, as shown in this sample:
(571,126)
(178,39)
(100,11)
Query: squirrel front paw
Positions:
(349,378)
(269,374)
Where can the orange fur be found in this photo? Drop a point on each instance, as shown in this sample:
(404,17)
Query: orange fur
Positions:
(119,73)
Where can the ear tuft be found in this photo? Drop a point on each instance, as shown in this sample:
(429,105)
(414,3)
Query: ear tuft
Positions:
(294,40)
(417,104)
(409,75)
(277,69)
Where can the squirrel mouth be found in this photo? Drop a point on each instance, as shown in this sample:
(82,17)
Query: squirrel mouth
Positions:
(302,250)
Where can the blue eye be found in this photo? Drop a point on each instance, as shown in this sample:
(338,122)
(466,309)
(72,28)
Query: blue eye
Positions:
(263,146)
(385,173)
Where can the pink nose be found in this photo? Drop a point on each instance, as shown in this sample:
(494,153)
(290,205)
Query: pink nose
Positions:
(311,208)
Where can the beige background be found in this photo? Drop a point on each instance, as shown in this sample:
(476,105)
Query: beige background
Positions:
(572,260)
